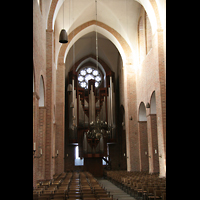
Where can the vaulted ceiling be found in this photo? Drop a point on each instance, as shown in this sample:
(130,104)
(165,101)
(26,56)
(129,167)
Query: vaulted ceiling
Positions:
(86,46)
(120,15)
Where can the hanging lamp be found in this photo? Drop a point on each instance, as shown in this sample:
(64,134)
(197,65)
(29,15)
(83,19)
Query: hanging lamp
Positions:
(63,38)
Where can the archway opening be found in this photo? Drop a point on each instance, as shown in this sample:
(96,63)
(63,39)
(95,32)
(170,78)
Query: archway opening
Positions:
(80,62)
(143,139)
(153,134)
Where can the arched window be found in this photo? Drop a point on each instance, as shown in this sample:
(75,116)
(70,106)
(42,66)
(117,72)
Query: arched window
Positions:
(153,103)
(87,73)
(141,40)
(142,112)
(41,100)
(148,34)
(144,36)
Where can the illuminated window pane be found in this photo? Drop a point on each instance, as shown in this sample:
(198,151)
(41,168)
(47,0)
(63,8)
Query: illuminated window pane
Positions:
(89,70)
(83,84)
(95,72)
(83,72)
(88,77)
(98,78)
(80,78)
(96,84)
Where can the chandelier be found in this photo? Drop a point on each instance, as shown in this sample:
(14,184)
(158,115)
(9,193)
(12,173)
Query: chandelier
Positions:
(98,129)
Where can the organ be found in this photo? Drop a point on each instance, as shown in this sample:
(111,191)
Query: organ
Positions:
(91,111)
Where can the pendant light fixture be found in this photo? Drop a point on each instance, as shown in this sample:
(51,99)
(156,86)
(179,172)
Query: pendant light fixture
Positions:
(63,38)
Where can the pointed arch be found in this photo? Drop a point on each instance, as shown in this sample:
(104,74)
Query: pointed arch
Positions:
(93,60)
(120,43)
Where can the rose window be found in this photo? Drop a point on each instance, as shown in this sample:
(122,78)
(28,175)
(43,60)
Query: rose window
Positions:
(88,73)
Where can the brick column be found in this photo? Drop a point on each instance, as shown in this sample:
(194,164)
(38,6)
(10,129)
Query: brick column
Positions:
(149,135)
(49,105)
(131,125)
(60,116)
(41,142)
(35,133)
(153,143)
(143,140)
(161,104)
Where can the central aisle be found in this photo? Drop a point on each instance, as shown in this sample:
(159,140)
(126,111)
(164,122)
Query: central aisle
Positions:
(115,191)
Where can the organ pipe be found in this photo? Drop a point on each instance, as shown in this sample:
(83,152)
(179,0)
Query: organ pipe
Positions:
(91,105)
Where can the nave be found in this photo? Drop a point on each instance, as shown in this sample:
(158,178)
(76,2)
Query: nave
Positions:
(101,97)
(120,185)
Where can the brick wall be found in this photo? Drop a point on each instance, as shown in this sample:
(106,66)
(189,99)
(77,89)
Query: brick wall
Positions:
(39,68)
(150,78)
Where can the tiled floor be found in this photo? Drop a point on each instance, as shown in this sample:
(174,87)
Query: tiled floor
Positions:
(115,191)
